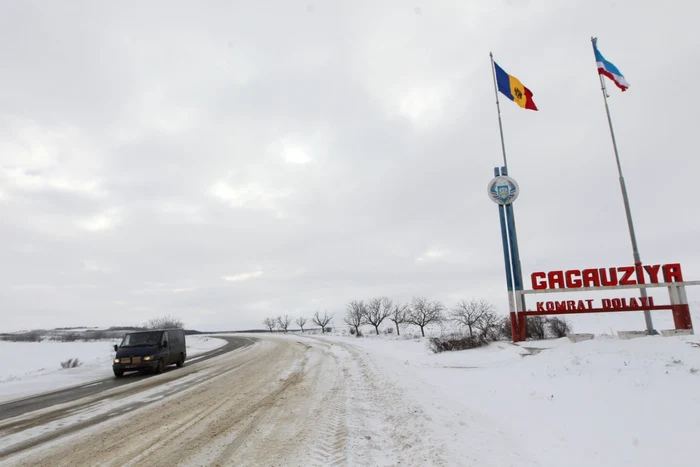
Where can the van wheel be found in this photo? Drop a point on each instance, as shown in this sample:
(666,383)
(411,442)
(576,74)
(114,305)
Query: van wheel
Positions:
(161,367)
(118,373)
(180,361)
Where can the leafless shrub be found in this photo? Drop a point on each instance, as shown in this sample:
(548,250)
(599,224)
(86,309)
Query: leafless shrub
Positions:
(301,321)
(270,323)
(377,310)
(536,327)
(30,336)
(71,363)
(424,312)
(166,322)
(322,321)
(505,328)
(355,315)
(283,322)
(389,331)
(558,327)
(450,343)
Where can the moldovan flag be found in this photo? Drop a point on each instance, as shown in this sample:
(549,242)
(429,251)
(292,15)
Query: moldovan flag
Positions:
(513,89)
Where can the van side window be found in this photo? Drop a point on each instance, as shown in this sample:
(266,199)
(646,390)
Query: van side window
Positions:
(175,338)
(165,337)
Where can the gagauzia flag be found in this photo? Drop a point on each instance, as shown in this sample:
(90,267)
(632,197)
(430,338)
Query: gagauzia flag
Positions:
(606,68)
(513,89)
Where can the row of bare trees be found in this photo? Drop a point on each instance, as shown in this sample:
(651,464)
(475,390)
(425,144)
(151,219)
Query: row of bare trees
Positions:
(282,322)
(473,315)
(478,318)
(420,312)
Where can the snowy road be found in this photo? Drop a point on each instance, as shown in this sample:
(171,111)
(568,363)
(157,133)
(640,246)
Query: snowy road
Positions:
(282,401)
(61,396)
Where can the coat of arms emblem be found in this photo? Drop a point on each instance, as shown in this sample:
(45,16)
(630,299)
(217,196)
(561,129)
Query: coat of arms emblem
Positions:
(503,190)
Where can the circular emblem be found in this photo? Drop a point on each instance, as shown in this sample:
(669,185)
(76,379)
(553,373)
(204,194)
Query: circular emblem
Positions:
(503,190)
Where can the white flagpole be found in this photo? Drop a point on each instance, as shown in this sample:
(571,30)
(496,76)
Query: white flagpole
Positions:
(625,198)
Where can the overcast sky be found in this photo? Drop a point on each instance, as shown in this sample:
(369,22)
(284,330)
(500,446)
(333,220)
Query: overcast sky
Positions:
(227,161)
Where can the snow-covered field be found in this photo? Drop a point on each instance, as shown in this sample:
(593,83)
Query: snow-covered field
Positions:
(28,368)
(605,402)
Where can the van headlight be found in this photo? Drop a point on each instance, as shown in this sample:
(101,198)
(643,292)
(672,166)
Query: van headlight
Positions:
(116,360)
(146,359)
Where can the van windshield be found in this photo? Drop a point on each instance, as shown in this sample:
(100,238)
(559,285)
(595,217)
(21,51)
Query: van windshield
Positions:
(141,338)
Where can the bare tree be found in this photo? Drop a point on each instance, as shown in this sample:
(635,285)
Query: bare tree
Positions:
(398,315)
(489,325)
(536,327)
(505,328)
(322,320)
(469,313)
(424,312)
(301,321)
(378,309)
(355,314)
(165,322)
(283,322)
(559,327)
(270,323)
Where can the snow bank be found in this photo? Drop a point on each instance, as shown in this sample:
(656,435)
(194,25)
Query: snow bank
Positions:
(605,402)
(28,368)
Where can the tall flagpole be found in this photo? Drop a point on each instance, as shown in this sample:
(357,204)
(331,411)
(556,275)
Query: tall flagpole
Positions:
(510,213)
(625,198)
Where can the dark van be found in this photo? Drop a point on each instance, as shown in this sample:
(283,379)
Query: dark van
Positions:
(150,351)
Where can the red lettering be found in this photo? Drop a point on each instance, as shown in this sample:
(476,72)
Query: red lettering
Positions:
(653,272)
(540,306)
(604,281)
(607,304)
(605,277)
(571,305)
(556,278)
(627,272)
(616,303)
(640,273)
(561,306)
(651,301)
(539,280)
(550,306)
(644,301)
(591,278)
(581,305)
(634,303)
(672,272)
(573,280)
(590,303)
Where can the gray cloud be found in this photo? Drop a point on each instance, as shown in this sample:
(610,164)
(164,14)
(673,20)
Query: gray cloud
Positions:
(226,162)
